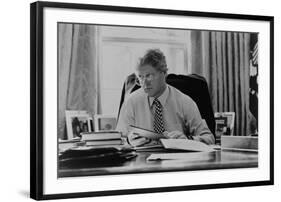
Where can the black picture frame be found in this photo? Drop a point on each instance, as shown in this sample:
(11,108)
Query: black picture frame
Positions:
(37,98)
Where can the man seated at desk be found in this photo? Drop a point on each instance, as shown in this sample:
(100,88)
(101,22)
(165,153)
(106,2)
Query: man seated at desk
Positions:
(160,107)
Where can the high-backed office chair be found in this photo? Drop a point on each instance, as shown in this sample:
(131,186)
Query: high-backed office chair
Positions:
(193,85)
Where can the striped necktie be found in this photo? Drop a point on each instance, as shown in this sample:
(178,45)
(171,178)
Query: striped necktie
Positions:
(158,124)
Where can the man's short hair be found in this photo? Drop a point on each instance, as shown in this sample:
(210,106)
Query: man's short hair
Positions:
(156,59)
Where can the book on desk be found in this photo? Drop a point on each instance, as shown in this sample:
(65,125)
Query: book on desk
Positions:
(96,149)
(102,138)
(92,139)
(104,135)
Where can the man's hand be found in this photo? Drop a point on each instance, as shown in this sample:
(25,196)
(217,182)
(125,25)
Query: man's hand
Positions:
(136,140)
(174,135)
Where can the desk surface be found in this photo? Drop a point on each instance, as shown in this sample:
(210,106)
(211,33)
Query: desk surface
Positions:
(221,159)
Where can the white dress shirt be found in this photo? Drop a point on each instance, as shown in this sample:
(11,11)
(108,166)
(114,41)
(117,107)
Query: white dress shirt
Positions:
(180,113)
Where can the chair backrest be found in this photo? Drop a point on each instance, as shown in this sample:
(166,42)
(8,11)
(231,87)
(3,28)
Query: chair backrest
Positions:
(194,86)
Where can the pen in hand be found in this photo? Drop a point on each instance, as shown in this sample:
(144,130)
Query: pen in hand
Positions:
(136,136)
(137,140)
(174,135)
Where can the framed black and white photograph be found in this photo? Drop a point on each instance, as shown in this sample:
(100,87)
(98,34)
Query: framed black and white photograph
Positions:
(225,124)
(105,122)
(198,86)
(77,122)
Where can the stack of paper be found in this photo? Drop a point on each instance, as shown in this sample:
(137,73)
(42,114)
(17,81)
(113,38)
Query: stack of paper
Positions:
(177,156)
(181,144)
(184,144)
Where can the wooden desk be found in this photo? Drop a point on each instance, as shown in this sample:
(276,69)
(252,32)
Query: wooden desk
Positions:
(196,161)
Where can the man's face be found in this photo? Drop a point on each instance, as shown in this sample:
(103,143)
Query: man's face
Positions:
(152,81)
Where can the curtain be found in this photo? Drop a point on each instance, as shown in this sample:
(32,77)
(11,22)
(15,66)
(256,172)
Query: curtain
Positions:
(78,85)
(223,58)
(254,67)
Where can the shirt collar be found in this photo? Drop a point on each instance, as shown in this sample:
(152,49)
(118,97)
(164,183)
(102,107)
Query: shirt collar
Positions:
(162,98)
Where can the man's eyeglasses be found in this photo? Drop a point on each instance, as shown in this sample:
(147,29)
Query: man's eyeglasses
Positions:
(148,77)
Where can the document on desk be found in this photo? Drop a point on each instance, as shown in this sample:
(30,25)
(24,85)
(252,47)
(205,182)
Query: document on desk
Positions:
(184,144)
(142,132)
(177,156)
(181,144)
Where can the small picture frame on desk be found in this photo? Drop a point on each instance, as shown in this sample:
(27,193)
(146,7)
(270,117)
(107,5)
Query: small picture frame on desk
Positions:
(221,127)
(105,123)
(78,122)
(81,54)
(224,123)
